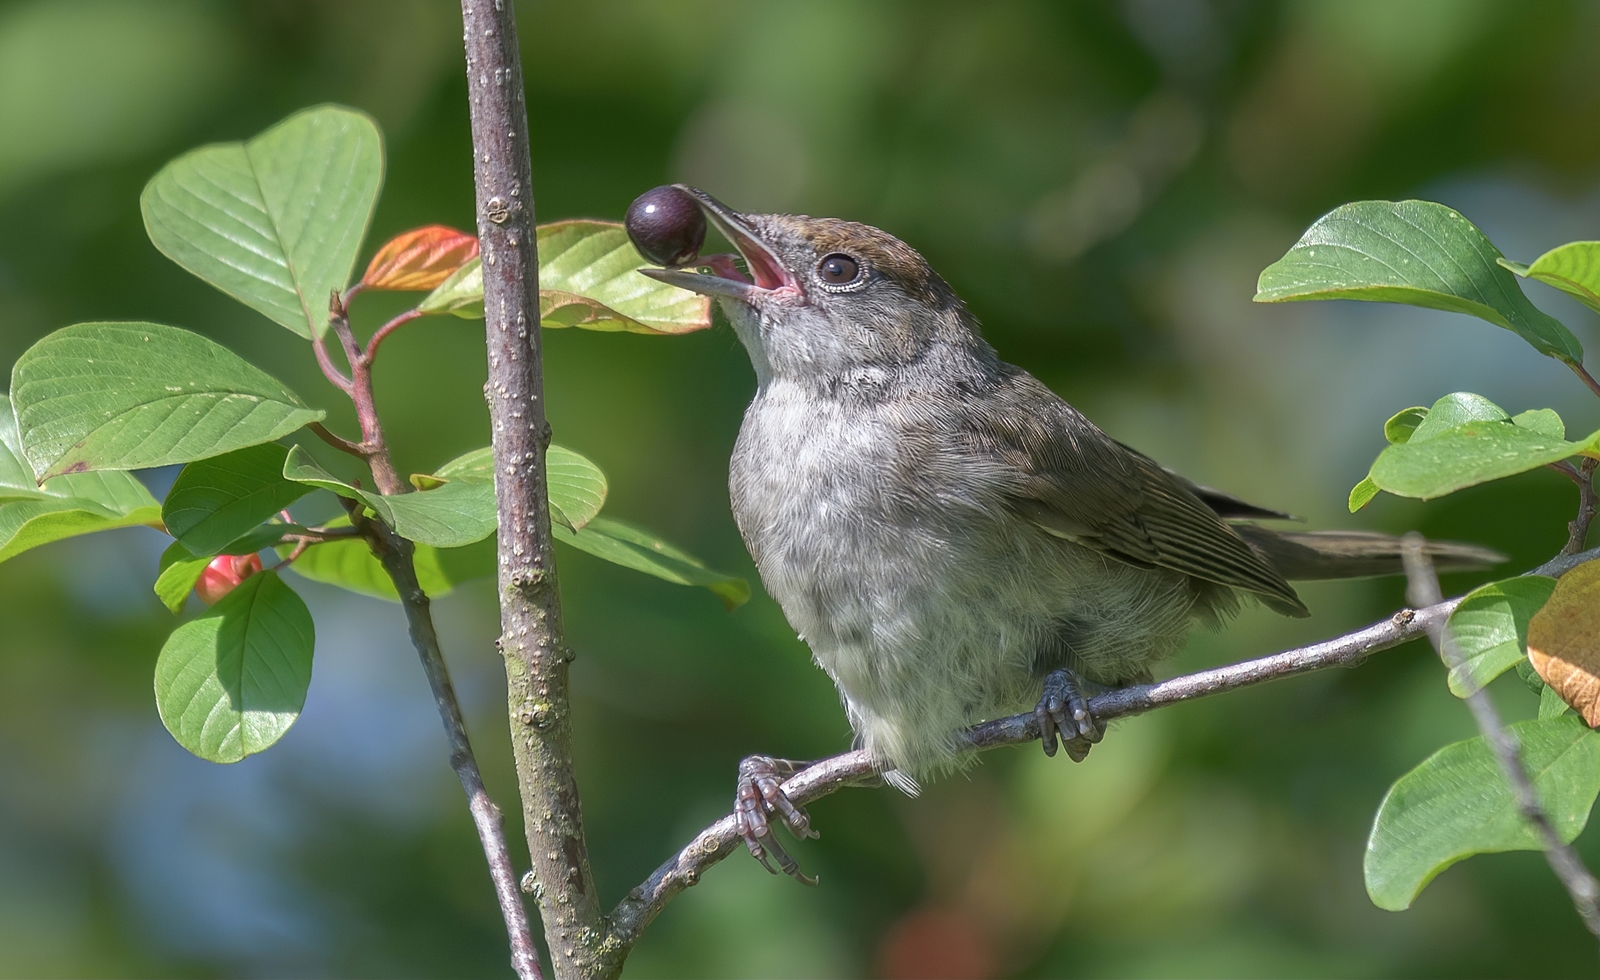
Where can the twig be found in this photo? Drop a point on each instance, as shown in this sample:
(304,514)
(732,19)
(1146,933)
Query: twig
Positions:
(1564,861)
(1583,476)
(398,557)
(385,330)
(336,441)
(536,655)
(1582,372)
(329,369)
(820,779)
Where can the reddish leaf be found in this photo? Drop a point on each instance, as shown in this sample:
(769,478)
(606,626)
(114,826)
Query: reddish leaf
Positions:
(421,258)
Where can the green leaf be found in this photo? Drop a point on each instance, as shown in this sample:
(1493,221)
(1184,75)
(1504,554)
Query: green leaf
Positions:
(231,682)
(1457,408)
(1414,252)
(179,571)
(1457,804)
(1550,704)
(577,487)
(275,222)
(32,515)
(450,516)
(1489,629)
(349,564)
(1572,268)
(635,548)
(587,278)
(1362,493)
(1544,421)
(1467,455)
(1402,423)
(214,501)
(123,396)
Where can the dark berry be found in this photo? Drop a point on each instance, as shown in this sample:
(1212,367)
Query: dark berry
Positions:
(666,226)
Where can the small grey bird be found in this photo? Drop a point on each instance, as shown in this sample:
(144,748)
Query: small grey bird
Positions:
(952,539)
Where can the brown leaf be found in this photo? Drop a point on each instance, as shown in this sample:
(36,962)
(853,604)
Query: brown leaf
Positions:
(421,258)
(1564,641)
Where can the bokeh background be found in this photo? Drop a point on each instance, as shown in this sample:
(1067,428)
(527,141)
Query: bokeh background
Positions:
(1102,180)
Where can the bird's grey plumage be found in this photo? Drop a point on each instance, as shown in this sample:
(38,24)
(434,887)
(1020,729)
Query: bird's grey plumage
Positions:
(940,527)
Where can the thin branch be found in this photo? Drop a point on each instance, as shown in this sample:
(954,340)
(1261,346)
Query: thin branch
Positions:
(1583,476)
(338,442)
(329,369)
(531,641)
(1582,372)
(820,779)
(397,556)
(1564,861)
(387,329)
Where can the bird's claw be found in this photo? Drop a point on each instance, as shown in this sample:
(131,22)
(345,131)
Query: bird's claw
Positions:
(1065,710)
(760,796)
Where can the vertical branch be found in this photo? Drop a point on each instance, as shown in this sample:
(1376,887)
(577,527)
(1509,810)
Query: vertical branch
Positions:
(530,609)
(1564,861)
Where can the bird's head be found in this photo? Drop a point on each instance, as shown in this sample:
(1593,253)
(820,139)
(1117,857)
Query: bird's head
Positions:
(821,299)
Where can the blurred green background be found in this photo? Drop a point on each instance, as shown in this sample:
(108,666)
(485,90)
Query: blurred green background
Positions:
(1101,180)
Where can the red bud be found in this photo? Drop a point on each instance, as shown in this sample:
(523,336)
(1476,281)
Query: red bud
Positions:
(224,574)
(421,258)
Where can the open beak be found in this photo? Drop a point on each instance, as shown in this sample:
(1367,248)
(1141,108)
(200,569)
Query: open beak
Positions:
(766,272)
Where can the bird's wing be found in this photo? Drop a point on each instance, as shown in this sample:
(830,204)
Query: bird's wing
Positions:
(1061,472)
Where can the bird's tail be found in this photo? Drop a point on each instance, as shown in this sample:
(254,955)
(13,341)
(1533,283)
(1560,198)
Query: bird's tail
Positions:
(1307,555)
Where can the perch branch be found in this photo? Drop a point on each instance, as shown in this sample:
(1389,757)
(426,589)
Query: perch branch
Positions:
(1423,588)
(635,912)
(531,641)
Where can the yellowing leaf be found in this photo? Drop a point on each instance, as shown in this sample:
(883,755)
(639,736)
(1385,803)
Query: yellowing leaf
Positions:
(1564,641)
(421,258)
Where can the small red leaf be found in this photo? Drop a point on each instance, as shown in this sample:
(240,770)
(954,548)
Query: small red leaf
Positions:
(224,574)
(421,258)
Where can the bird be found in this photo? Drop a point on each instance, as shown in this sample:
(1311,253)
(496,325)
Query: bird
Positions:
(951,538)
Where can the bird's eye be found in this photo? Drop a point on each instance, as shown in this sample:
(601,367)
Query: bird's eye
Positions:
(838,269)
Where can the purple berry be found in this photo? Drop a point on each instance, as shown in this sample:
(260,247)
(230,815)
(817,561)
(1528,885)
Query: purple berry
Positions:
(666,226)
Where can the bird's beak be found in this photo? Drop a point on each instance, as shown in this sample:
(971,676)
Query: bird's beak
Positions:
(766,271)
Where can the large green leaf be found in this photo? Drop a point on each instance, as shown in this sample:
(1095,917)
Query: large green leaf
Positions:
(1573,268)
(350,564)
(31,515)
(275,222)
(123,396)
(215,500)
(231,682)
(635,548)
(577,487)
(1414,252)
(451,515)
(587,278)
(1489,629)
(1457,804)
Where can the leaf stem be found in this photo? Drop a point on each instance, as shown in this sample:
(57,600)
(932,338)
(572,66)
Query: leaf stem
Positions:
(1583,476)
(329,369)
(338,442)
(1584,890)
(1583,373)
(531,641)
(387,329)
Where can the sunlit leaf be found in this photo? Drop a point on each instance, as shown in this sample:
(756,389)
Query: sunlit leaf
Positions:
(1573,268)
(420,259)
(587,278)
(577,487)
(635,548)
(1489,629)
(1362,493)
(1564,641)
(65,506)
(122,396)
(1402,423)
(1414,252)
(349,564)
(450,516)
(1456,408)
(275,222)
(1457,804)
(215,500)
(232,681)
(176,575)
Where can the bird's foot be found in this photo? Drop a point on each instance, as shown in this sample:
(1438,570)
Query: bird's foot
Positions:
(759,797)
(1063,708)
